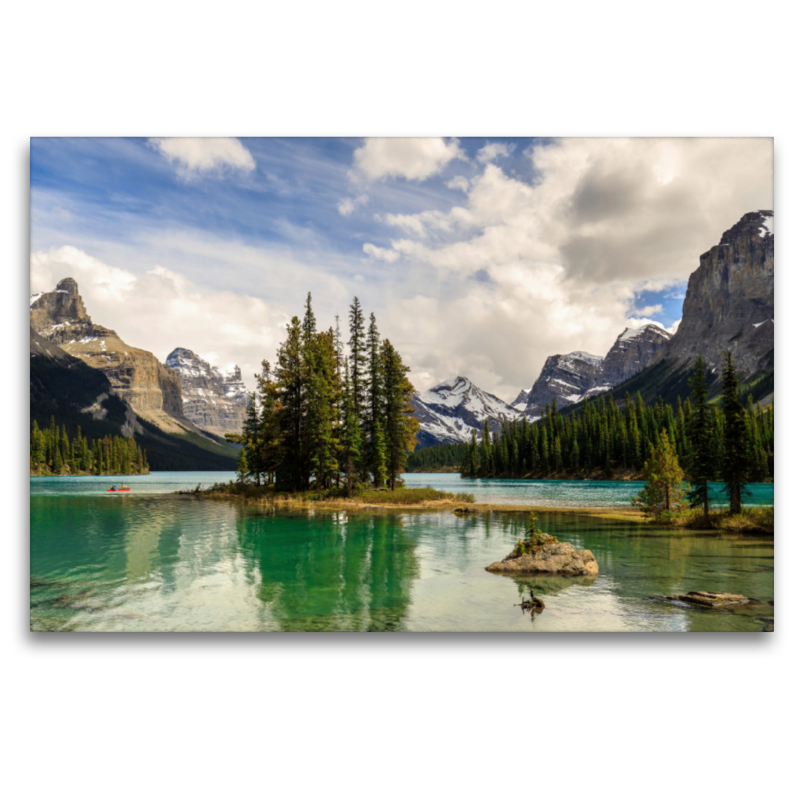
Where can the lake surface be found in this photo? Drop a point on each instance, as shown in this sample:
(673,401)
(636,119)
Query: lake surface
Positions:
(152,561)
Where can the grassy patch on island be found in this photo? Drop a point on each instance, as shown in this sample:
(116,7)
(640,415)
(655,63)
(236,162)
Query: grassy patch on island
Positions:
(335,497)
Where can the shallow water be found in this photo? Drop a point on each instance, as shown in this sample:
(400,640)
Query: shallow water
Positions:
(150,561)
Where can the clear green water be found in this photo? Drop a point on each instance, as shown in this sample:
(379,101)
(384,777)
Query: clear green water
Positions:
(150,561)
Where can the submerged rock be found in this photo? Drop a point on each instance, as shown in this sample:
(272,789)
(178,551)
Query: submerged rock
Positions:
(710,599)
(559,558)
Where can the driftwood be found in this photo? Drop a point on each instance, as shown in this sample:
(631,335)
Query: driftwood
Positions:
(534,605)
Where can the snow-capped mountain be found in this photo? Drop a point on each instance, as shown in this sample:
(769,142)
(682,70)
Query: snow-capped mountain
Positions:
(572,377)
(565,378)
(450,411)
(213,399)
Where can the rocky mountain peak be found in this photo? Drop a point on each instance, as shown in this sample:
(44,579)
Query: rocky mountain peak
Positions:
(730,297)
(214,400)
(451,410)
(136,376)
(60,308)
(68,285)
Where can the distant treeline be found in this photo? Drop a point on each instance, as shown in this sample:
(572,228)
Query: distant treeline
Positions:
(600,437)
(53,452)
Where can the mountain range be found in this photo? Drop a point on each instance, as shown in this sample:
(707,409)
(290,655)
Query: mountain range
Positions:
(729,305)
(82,373)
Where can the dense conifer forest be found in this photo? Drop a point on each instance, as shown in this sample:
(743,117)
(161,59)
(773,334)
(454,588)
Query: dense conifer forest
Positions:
(604,438)
(323,413)
(54,452)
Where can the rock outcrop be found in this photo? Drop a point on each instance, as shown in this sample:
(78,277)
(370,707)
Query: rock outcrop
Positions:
(570,378)
(214,400)
(730,300)
(634,349)
(557,558)
(710,599)
(136,376)
(565,379)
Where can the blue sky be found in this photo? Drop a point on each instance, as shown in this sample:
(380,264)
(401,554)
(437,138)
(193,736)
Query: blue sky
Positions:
(479,257)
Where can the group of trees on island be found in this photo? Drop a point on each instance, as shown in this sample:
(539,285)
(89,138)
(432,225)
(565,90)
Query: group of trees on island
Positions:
(323,415)
(53,452)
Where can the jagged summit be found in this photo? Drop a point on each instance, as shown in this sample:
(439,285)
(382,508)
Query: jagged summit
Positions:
(61,312)
(135,375)
(635,333)
(451,410)
(729,297)
(213,399)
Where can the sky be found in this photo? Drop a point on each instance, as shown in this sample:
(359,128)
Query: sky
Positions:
(480,257)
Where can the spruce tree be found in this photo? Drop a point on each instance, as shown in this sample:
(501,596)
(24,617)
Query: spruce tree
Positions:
(401,424)
(663,491)
(701,434)
(375,407)
(242,468)
(358,359)
(351,435)
(291,384)
(734,445)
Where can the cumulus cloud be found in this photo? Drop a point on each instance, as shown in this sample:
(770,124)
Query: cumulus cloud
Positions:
(212,155)
(381,253)
(163,309)
(412,159)
(459,182)
(349,204)
(565,256)
(489,152)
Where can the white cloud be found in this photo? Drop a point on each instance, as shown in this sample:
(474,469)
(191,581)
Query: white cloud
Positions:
(412,159)
(381,253)
(459,182)
(193,156)
(163,309)
(567,254)
(648,311)
(349,204)
(489,152)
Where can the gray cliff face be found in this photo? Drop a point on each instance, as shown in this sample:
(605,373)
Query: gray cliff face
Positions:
(634,349)
(565,379)
(570,378)
(137,376)
(214,400)
(730,300)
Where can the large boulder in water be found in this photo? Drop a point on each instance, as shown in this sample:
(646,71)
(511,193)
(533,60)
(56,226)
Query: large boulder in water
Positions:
(556,558)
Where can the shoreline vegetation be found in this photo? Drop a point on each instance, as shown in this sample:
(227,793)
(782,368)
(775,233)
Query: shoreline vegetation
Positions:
(53,452)
(751,520)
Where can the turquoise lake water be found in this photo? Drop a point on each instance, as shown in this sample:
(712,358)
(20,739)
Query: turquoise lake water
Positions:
(153,561)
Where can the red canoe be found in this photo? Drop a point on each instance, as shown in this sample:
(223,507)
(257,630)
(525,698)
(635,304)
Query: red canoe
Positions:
(126,489)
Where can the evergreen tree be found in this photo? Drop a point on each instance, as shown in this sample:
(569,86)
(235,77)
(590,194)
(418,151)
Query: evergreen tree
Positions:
(701,433)
(351,435)
(291,383)
(401,424)
(242,469)
(734,447)
(663,492)
(358,360)
(375,407)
